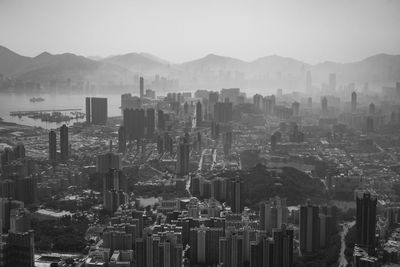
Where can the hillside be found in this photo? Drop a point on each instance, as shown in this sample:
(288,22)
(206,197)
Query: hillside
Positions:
(10,61)
(261,183)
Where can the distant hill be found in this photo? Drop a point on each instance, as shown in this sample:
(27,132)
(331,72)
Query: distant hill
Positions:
(261,183)
(210,72)
(46,67)
(10,61)
(214,63)
(140,63)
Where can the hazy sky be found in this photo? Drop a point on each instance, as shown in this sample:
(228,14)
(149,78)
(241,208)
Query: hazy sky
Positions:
(181,30)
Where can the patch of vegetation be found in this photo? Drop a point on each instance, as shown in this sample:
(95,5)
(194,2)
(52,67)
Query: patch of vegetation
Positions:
(261,183)
(68,235)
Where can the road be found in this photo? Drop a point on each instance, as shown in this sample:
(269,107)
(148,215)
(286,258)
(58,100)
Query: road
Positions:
(345,229)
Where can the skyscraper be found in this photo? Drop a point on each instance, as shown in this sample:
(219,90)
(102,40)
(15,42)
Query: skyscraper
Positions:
(283,247)
(324,106)
(227,142)
(160,120)
(134,123)
(52,146)
(88,110)
(150,122)
(19,151)
(273,213)
(295,108)
(182,164)
(309,228)
(366,220)
(107,161)
(64,147)
(236,195)
(199,114)
(141,87)
(223,112)
(261,252)
(203,244)
(371,108)
(353,102)
(231,252)
(121,139)
(96,110)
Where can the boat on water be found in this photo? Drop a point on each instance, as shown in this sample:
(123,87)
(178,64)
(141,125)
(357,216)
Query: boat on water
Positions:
(36,99)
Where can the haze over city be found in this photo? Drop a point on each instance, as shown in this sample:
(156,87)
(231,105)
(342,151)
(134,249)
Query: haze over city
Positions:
(182,133)
(311,31)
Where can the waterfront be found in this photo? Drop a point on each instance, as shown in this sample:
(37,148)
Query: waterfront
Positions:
(10,102)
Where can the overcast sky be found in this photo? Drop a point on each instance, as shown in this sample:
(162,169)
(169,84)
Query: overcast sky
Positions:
(182,30)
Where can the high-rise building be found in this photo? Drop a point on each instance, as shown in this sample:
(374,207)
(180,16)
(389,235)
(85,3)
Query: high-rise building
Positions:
(199,114)
(371,108)
(26,189)
(353,102)
(19,151)
(223,112)
(236,195)
(227,142)
(324,106)
(283,247)
(296,108)
(182,163)
(261,252)
(273,213)
(141,87)
(6,206)
(309,228)
(203,244)
(64,146)
(7,156)
(257,101)
(130,102)
(134,123)
(107,161)
(160,120)
(20,220)
(17,249)
(52,146)
(150,122)
(366,220)
(121,139)
(96,110)
(369,124)
(88,110)
(113,199)
(114,179)
(231,250)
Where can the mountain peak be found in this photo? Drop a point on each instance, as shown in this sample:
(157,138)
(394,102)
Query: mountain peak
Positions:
(43,55)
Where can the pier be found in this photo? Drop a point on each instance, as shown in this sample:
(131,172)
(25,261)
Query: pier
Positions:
(29,112)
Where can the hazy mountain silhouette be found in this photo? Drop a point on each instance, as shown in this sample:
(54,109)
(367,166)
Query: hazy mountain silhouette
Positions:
(10,61)
(214,63)
(46,67)
(140,63)
(211,71)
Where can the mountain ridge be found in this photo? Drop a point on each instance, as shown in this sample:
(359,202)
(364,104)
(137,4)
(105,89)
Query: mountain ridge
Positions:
(210,70)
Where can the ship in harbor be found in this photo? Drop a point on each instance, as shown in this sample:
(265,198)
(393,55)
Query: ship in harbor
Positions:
(36,99)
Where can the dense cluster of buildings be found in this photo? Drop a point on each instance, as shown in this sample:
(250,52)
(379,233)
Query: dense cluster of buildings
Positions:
(193,150)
